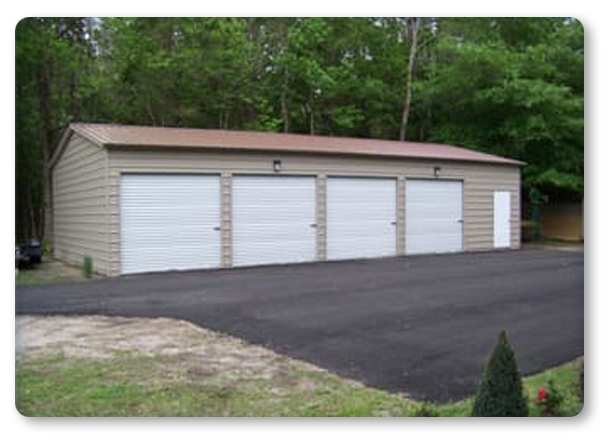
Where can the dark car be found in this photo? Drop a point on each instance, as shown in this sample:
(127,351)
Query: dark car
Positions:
(28,255)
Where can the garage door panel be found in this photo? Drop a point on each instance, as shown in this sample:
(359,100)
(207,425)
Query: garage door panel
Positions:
(349,211)
(273,219)
(421,245)
(169,222)
(433,215)
(369,243)
(258,215)
(167,216)
(361,217)
(355,227)
(433,228)
(161,236)
(183,251)
(273,237)
(264,252)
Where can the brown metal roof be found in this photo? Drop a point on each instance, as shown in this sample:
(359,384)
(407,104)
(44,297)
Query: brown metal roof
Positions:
(130,135)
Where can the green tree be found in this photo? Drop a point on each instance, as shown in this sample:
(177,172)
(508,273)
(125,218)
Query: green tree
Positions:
(52,57)
(500,393)
(511,86)
(192,72)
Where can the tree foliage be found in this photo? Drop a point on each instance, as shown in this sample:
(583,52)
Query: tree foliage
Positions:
(511,86)
(500,393)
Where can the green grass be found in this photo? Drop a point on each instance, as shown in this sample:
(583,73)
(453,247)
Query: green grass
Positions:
(554,242)
(566,379)
(49,272)
(31,277)
(135,386)
(561,243)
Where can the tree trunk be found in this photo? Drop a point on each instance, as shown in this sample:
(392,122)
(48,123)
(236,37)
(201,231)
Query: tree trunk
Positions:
(32,231)
(148,108)
(415,25)
(284,105)
(224,119)
(427,122)
(46,140)
(311,111)
(47,220)
(281,42)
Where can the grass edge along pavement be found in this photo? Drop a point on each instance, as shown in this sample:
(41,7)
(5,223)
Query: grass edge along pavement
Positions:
(141,385)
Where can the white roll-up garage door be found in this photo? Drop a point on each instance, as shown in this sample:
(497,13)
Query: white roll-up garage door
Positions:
(274,219)
(433,213)
(361,218)
(169,222)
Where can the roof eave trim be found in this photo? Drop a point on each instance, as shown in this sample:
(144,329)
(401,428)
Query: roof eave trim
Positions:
(505,161)
(64,140)
(87,135)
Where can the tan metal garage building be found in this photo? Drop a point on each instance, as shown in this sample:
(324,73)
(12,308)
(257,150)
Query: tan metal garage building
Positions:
(148,199)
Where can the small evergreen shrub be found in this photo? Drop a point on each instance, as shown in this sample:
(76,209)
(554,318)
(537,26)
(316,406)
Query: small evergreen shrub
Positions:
(87,267)
(47,247)
(500,393)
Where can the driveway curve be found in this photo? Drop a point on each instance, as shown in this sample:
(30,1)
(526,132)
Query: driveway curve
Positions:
(422,326)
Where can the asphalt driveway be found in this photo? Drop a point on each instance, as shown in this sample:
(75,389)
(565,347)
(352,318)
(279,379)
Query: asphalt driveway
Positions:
(418,325)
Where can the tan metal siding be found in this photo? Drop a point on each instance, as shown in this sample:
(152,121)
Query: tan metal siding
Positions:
(226,219)
(81,205)
(480,180)
(114,219)
(321,217)
(400,216)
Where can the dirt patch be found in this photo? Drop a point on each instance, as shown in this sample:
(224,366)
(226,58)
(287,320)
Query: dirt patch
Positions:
(187,352)
(55,268)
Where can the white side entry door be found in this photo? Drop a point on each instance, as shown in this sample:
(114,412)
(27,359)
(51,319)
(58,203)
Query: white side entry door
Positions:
(501,219)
